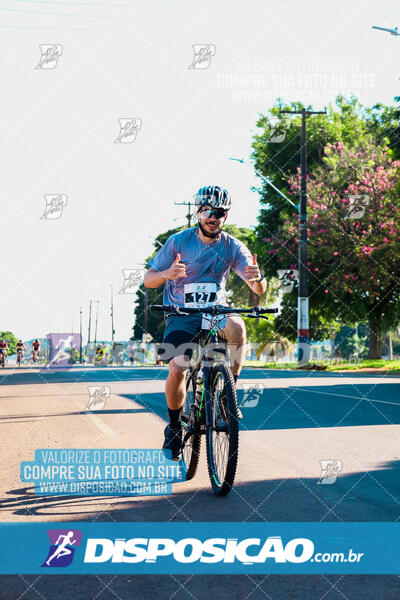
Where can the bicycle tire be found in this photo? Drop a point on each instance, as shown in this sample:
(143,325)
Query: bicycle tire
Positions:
(222,476)
(191,448)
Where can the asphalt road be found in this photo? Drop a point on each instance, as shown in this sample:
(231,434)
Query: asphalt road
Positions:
(299,419)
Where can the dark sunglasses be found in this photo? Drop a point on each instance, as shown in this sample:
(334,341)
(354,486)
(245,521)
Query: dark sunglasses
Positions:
(219,213)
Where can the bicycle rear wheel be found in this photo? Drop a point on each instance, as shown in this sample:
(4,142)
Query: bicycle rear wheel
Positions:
(191,427)
(223,433)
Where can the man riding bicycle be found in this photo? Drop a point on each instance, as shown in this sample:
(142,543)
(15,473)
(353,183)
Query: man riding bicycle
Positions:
(36,349)
(3,351)
(194,265)
(21,348)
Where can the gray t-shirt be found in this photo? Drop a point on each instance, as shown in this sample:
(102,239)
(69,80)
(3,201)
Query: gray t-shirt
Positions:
(205,264)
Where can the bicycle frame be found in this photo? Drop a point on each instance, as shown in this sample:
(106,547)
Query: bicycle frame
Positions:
(212,337)
(206,361)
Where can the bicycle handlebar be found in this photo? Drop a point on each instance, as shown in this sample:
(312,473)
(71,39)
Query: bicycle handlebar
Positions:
(212,310)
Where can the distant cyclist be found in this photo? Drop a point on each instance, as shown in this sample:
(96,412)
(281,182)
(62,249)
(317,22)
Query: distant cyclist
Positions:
(194,265)
(132,356)
(3,352)
(21,348)
(36,350)
(101,352)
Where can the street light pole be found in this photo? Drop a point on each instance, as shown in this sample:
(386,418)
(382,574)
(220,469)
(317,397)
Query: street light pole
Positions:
(95,327)
(303,328)
(146,309)
(90,323)
(80,334)
(112,314)
(189,214)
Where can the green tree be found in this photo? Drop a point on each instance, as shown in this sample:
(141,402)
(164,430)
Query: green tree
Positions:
(349,125)
(354,251)
(10,339)
(348,338)
(346,121)
(384,124)
(321,327)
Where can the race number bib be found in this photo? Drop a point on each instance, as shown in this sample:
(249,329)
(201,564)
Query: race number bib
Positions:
(199,295)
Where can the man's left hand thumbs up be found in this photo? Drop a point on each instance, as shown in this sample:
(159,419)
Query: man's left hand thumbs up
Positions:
(252,272)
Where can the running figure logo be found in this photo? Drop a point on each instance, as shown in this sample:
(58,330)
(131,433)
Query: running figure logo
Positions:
(63,350)
(203,54)
(252,392)
(277,135)
(62,547)
(330,469)
(50,53)
(357,206)
(98,395)
(288,278)
(133,278)
(128,129)
(55,203)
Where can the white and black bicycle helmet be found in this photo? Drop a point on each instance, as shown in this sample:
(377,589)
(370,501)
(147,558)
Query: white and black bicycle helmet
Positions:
(213,196)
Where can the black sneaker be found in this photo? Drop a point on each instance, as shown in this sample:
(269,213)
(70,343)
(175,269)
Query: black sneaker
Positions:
(173,441)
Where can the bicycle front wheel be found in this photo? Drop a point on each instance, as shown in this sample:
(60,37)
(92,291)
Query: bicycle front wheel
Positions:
(191,427)
(223,433)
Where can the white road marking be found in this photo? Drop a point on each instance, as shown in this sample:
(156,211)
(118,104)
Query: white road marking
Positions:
(102,426)
(344,396)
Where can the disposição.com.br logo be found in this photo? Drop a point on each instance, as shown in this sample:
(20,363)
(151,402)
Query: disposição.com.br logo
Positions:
(247,551)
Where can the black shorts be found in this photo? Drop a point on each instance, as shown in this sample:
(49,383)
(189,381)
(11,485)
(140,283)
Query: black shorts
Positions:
(180,336)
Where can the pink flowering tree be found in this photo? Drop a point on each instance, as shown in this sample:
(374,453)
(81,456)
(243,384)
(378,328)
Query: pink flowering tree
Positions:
(354,238)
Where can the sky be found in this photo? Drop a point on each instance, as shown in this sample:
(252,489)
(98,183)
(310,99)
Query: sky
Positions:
(115,61)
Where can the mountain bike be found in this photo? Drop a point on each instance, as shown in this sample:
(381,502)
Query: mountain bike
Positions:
(211,407)
(20,356)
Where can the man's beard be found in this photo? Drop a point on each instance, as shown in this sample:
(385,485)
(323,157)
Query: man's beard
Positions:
(213,235)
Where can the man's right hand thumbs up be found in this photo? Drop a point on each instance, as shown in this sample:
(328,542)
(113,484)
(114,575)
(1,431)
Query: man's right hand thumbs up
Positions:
(177,269)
